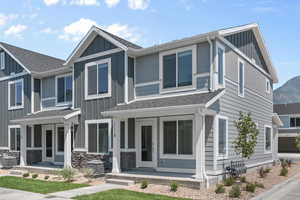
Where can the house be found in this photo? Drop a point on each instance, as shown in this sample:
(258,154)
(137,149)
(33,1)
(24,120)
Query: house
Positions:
(170,107)
(287,134)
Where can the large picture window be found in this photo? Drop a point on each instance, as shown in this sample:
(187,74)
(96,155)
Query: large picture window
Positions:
(222,125)
(177,137)
(98,135)
(64,89)
(98,79)
(14,138)
(268,139)
(16,94)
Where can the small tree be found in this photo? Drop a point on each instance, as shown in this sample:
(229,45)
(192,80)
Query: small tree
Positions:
(246,140)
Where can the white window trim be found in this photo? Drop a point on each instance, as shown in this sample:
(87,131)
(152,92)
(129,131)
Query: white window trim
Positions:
(66,103)
(56,139)
(271,136)
(20,106)
(194,69)
(176,156)
(221,156)
(240,61)
(219,45)
(2,60)
(268,91)
(10,127)
(293,127)
(97,96)
(98,121)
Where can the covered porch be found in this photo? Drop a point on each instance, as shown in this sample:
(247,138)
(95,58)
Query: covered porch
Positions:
(46,138)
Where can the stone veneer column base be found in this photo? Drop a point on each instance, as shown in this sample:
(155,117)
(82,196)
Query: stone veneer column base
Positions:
(80,159)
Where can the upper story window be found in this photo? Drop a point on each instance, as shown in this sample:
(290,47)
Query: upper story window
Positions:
(294,122)
(16,94)
(64,89)
(98,79)
(177,68)
(268,86)
(2,60)
(220,64)
(241,77)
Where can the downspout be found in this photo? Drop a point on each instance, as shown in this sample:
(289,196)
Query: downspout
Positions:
(211,63)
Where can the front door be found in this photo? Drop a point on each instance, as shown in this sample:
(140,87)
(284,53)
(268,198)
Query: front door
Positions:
(48,143)
(146,143)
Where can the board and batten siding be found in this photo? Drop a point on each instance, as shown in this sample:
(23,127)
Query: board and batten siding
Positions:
(11,66)
(37,95)
(91,109)
(99,44)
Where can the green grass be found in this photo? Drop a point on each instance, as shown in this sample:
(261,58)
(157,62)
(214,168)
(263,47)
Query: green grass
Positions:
(37,186)
(124,195)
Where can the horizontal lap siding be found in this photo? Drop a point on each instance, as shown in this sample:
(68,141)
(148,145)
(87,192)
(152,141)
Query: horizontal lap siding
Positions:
(209,143)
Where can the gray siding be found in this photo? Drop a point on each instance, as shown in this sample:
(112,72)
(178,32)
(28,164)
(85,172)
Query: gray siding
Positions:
(11,66)
(246,42)
(203,57)
(7,115)
(37,95)
(130,78)
(91,109)
(99,44)
(209,143)
(147,68)
(48,87)
(147,90)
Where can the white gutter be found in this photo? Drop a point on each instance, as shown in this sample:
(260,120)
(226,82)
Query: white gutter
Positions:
(211,62)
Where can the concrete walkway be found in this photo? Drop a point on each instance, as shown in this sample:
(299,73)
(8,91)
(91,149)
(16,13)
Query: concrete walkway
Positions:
(9,194)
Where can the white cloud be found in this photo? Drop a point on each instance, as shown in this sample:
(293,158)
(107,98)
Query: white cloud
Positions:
(266,9)
(51,2)
(111,3)
(15,30)
(85,2)
(4,18)
(124,31)
(138,4)
(75,31)
(49,30)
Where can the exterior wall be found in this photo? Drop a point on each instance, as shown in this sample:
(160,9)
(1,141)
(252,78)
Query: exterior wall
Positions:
(37,95)
(130,78)
(99,44)
(48,92)
(11,66)
(209,142)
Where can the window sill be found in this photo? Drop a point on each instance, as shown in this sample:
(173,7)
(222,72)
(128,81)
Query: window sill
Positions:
(173,156)
(66,104)
(91,97)
(16,108)
(176,89)
(14,151)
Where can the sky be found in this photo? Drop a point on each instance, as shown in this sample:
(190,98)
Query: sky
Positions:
(54,27)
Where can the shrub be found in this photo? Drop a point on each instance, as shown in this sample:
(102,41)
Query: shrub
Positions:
(173,186)
(268,170)
(220,189)
(260,185)
(34,176)
(144,184)
(26,175)
(88,172)
(250,187)
(46,177)
(284,172)
(229,181)
(67,174)
(235,192)
(289,162)
(262,173)
(283,163)
(243,179)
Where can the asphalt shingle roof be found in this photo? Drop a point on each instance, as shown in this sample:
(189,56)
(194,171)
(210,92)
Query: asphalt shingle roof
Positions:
(285,109)
(49,113)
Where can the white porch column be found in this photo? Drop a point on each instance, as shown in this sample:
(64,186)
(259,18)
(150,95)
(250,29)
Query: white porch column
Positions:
(68,147)
(116,161)
(200,142)
(23,150)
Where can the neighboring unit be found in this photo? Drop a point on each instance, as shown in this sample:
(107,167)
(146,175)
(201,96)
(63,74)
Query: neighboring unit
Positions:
(169,108)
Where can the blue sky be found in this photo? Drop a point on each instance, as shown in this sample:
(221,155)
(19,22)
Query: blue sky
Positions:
(54,27)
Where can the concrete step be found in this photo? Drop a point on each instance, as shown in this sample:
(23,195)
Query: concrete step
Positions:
(17,172)
(120,181)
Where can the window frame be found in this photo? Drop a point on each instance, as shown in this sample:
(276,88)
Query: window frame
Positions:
(65,103)
(56,139)
(221,46)
(161,135)
(268,86)
(90,64)
(192,48)
(98,121)
(2,60)
(271,142)
(240,61)
(9,84)
(9,133)
(218,155)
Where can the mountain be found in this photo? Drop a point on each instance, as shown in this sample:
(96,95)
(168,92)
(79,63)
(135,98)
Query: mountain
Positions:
(288,93)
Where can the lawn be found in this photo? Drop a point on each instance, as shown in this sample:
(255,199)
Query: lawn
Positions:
(124,195)
(37,186)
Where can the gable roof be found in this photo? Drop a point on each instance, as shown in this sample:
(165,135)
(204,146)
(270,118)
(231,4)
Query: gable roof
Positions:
(33,62)
(286,109)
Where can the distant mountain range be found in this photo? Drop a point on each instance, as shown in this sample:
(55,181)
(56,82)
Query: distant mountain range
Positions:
(288,93)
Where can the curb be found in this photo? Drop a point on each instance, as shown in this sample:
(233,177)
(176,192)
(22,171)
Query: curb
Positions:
(277,187)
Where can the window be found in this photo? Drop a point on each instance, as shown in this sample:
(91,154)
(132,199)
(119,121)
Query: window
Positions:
(2,60)
(15,94)
(98,133)
(122,134)
(220,64)
(98,79)
(60,139)
(177,68)
(222,124)
(64,89)
(268,139)
(268,86)
(241,78)
(177,137)
(14,138)
(294,122)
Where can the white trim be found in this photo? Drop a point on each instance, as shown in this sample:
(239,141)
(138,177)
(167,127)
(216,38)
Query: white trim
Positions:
(146,84)
(2,60)
(96,63)
(240,61)
(176,170)
(56,139)
(9,145)
(12,76)
(268,86)
(98,121)
(126,77)
(221,157)
(80,149)
(96,55)
(177,155)
(73,87)
(220,46)
(73,114)
(15,82)
(271,137)
(32,95)
(288,135)
(193,48)
(214,99)
(65,103)
(4,148)
(200,75)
